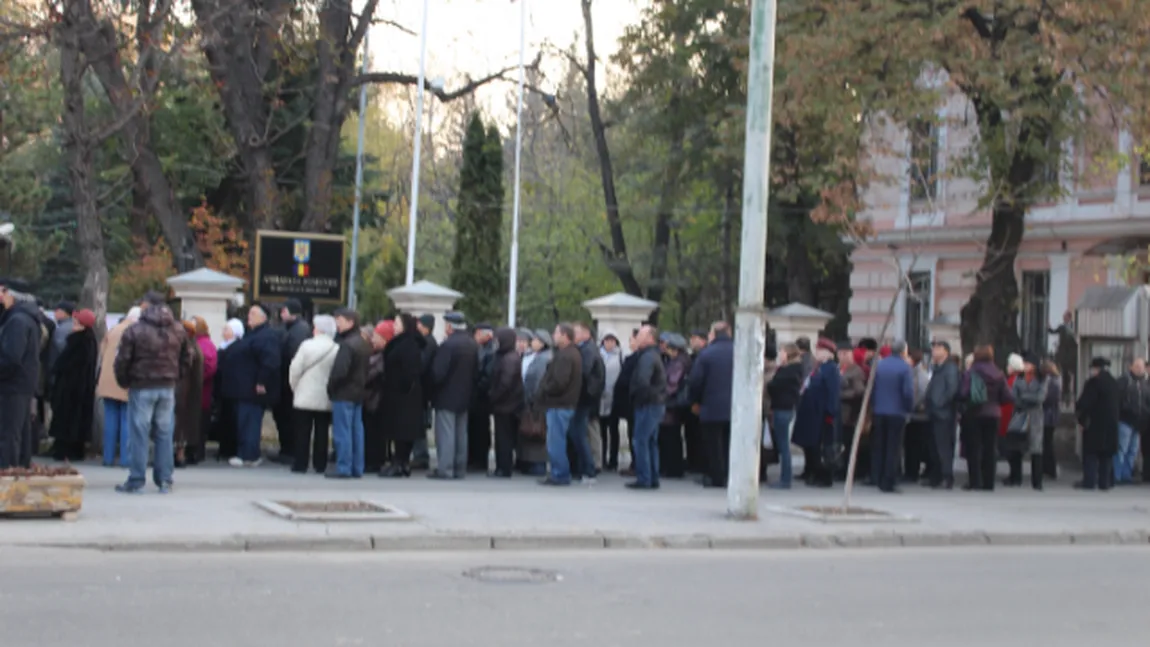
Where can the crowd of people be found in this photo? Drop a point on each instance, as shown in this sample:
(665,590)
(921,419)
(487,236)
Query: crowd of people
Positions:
(349,399)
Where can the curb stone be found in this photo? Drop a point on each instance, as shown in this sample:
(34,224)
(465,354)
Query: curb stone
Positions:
(598,541)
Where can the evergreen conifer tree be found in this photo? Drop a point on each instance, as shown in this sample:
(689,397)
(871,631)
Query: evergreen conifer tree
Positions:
(476,270)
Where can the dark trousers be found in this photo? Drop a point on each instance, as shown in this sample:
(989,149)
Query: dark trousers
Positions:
(225,429)
(671,463)
(403,452)
(1049,460)
(506,431)
(716,437)
(15,431)
(312,429)
(942,433)
(282,414)
(1014,460)
(478,437)
(1146,455)
(1098,471)
(915,447)
(609,431)
(981,450)
(697,462)
(376,446)
(886,441)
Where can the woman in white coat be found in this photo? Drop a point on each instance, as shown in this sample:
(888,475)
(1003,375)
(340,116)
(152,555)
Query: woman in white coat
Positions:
(308,377)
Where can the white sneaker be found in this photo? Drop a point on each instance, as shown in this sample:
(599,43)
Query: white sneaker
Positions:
(236,461)
(256,463)
(588,480)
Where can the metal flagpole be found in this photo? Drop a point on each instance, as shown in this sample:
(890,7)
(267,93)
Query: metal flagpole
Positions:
(751,316)
(513,288)
(351,295)
(418,140)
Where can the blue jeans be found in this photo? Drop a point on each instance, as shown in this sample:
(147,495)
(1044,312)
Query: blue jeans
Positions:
(577,432)
(646,432)
(117,430)
(249,428)
(558,429)
(780,435)
(151,410)
(347,436)
(1127,453)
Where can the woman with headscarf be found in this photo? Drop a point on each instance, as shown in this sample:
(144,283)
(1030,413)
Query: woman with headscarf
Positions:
(531,451)
(308,376)
(1024,431)
(1014,368)
(73,395)
(376,446)
(402,393)
(189,400)
(211,364)
(224,422)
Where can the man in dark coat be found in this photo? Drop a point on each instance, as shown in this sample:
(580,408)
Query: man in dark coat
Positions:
(453,377)
(710,385)
(479,415)
(347,389)
(941,395)
(252,380)
(420,454)
(559,392)
(19,372)
(586,422)
(648,392)
(506,397)
(402,401)
(1098,411)
(692,430)
(621,398)
(296,330)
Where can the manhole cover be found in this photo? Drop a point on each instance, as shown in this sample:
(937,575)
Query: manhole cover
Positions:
(334,510)
(512,575)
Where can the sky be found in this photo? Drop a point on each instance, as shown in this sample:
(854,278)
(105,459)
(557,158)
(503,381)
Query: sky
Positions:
(478,37)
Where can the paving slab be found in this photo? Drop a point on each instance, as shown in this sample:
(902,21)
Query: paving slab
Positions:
(213,508)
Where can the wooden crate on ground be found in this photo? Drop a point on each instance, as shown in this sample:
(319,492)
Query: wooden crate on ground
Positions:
(41,491)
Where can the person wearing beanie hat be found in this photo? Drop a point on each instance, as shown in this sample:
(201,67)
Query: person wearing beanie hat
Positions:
(73,396)
(386,330)
(296,330)
(1099,411)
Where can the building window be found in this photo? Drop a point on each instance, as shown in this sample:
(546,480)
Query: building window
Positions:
(1144,172)
(1035,310)
(918,309)
(924,163)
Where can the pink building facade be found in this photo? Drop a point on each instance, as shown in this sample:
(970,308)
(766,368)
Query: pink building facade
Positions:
(935,231)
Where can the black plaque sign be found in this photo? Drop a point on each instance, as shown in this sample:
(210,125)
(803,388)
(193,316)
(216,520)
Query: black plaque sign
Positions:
(297,264)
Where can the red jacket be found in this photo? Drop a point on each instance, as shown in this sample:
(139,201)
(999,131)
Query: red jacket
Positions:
(1007,409)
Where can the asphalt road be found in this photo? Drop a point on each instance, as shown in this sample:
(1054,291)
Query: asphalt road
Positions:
(898,598)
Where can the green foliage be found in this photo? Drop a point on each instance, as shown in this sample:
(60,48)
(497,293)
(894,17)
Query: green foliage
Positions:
(476,270)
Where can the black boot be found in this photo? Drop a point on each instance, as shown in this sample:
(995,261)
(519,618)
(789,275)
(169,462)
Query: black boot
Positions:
(1036,471)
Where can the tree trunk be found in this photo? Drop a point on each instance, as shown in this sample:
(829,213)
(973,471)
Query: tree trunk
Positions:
(78,151)
(668,198)
(991,314)
(727,262)
(800,270)
(98,42)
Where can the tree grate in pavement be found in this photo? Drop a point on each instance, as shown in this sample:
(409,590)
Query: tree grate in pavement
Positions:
(354,510)
(512,575)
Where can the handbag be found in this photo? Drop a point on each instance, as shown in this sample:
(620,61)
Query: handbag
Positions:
(1019,422)
(768,442)
(533,425)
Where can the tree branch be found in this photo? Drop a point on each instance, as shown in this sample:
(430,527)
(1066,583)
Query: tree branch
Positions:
(399,78)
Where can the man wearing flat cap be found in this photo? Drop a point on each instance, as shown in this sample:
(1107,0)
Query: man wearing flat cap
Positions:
(1098,411)
(296,330)
(453,376)
(19,372)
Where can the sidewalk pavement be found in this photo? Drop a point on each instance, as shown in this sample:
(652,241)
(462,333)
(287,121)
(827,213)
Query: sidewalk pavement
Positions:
(213,509)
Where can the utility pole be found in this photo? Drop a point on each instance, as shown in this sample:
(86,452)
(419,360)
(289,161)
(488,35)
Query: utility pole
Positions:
(513,284)
(417,140)
(751,314)
(352,297)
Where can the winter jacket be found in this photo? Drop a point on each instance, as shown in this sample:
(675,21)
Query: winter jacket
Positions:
(593,380)
(294,336)
(785,387)
(649,381)
(612,366)
(254,361)
(893,391)
(562,384)
(483,376)
(535,372)
(152,354)
(59,342)
(851,392)
(712,379)
(106,386)
(676,370)
(621,398)
(347,381)
(1052,407)
(309,371)
(1134,396)
(73,395)
(942,391)
(430,348)
(506,392)
(402,388)
(818,415)
(1098,410)
(1027,419)
(211,364)
(997,391)
(455,372)
(20,350)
